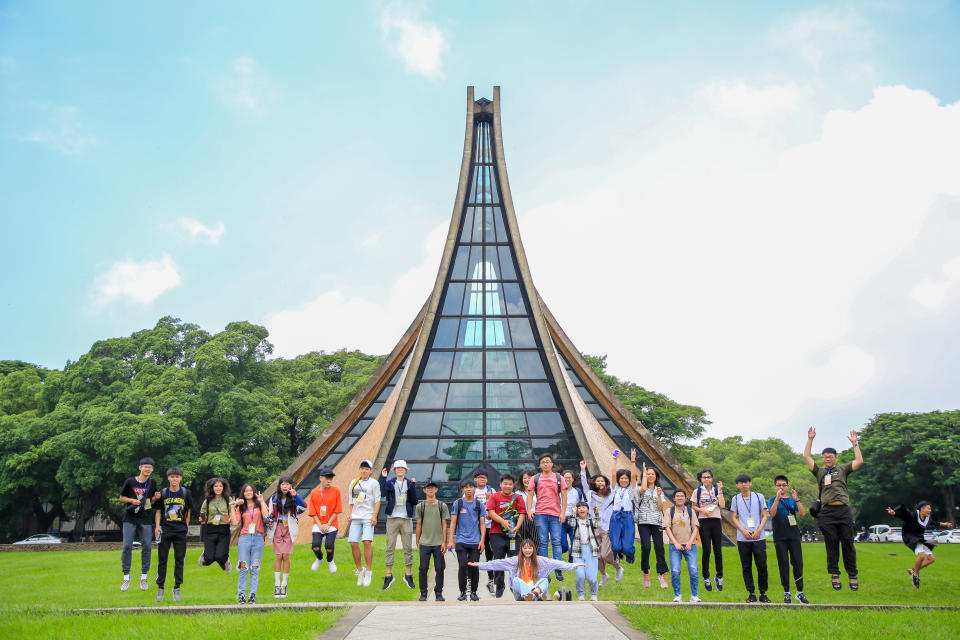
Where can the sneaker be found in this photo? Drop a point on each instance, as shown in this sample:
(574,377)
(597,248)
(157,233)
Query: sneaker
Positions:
(125,584)
(316,565)
(276,591)
(462,597)
(802,598)
(752,598)
(646,579)
(559,575)
(593,598)
(619,575)
(367,577)
(581,598)
(228,567)
(144,585)
(499,592)
(422,598)
(529,597)
(603,579)
(332,566)
(491,587)
(359,573)
(283,592)
(916,580)
(252,599)
(677,598)
(707,584)
(241,598)
(694,599)
(719,581)
(200,559)
(159,597)
(786,597)
(408,580)
(663,580)
(176,594)
(764,599)
(387,581)
(439,597)
(474,597)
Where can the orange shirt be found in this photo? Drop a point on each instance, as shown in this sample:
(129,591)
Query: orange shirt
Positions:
(324,504)
(526,572)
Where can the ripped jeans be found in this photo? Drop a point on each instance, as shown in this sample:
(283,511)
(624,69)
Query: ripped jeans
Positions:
(249,555)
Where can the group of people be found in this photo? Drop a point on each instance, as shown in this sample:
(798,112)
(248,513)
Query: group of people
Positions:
(515,529)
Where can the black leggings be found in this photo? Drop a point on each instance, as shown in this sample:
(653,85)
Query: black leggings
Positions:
(711,535)
(327,539)
(650,532)
(789,553)
(468,553)
(216,544)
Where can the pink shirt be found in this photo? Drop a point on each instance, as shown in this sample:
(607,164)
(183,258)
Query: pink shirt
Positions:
(548,498)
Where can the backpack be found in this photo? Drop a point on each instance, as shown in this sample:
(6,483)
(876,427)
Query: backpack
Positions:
(696,497)
(476,504)
(536,484)
(673,510)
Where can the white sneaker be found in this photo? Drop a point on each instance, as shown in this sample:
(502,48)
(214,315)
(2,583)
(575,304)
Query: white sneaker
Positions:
(603,579)
(677,599)
(581,598)
(619,575)
(694,599)
(359,573)
(332,566)
(125,584)
(367,577)
(593,598)
(143,584)
(200,559)
(316,565)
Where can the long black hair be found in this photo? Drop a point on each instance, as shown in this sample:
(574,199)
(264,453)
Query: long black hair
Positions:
(607,489)
(243,501)
(208,494)
(289,505)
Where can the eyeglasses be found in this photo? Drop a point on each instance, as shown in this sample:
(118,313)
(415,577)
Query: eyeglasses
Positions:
(781,484)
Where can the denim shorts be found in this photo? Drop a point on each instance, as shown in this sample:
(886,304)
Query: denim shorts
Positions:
(360,530)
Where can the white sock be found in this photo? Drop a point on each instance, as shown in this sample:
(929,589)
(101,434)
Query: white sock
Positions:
(276,578)
(283,580)
(126,576)
(143,576)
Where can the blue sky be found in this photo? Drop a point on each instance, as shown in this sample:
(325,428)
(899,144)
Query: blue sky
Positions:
(753,209)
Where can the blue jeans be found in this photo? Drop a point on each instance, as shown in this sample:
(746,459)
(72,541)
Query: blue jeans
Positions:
(691,558)
(250,553)
(566,537)
(622,534)
(548,526)
(587,574)
(130,531)
(521,588)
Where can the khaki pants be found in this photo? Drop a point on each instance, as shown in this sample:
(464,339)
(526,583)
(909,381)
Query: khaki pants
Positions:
(402,527)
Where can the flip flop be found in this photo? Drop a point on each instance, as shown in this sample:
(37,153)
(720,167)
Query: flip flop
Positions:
(854,583)
(835,581)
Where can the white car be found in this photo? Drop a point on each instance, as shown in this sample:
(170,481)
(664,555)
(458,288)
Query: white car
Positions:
(949,537)
(880,533)
(41,538)
(895,535)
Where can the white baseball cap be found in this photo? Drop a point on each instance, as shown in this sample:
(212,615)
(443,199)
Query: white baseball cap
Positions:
(400,463)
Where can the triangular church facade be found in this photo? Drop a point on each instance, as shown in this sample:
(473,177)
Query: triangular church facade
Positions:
(484,376)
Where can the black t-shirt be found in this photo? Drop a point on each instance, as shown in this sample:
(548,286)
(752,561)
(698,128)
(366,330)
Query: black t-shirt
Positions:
(142,513)
(173,518)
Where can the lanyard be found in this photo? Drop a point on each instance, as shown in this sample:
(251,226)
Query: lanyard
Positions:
(174,495)
(143,486)
(748,506)
(216,505)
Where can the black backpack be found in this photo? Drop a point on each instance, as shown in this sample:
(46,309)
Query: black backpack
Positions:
(476,504)
(673,511)
(536,485)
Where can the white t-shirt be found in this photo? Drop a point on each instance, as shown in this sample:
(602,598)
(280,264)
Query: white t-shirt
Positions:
(364,495)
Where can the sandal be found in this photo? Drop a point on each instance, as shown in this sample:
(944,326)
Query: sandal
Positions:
(835,581)
(854,583)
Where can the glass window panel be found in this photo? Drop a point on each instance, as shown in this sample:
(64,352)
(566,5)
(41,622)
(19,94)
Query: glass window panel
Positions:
(468,365)
(597,410)
(331,461)
(460,264)
(529,365)
(471,333)
(507,271)
(506,423)
(474,179)
(452,299)
(514,300)
(476,229)
(611,428)
(419,471)
(574,378)
(373,410)
(396,375)
(586,395)
(500,365)
(489,230)
(425,423)
(509,449)
(465,395)
(485,184)
(493,188)
(449,472)
(459,449)
(503,395)
(545,423)
(513,468)
(384,393)
(446,336)
(497,333)
(415,449)
(438,365)
(537,395)
(521,332)
(361,426)
(498,221)
(467,225)
(556,447)
(473,303)
(462,423)
(493,264)
(344,445)
(447,492)
(430,395)
(494,299)
(475,272)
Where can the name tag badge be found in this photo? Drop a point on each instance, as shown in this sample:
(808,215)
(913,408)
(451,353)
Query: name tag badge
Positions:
(146,503)
(216,518)
(323,511)
(751,522)
(513,545)
(827,479)
(361,497)
(792,519)
(252,528)
(400,500)
(711,508)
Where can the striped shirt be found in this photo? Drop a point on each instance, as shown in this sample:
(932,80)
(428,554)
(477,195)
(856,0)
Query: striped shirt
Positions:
(646,507)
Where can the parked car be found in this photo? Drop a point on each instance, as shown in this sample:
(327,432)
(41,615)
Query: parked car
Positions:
(895,535)
(879,532)
(931,535)
(41,538)
(949,537)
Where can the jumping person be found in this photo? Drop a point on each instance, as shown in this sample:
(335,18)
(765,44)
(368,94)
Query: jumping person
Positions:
(527,530)
(585,547)
(551,501)
(507,511)
(750,517)
(468,533)
(215,515)
(400,494)
(835,516)
(529,572)
(707,501)
(483,492)
(251,514)
(285,509)
(649,505)
(365,498)
(433,516)
(139,493)
(622,525)
(600,499)
(786,536)
(915,523)
(681,534)
(324,506)
(174,518)
(574,495)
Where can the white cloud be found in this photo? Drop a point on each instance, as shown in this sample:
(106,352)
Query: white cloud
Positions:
(419,44)
(137,282)
(244,87)
(63,132)
(933,293)
(822,33)
(200,231)
(740,99)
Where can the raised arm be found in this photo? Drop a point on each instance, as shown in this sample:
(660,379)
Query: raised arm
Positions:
(811,434)
(720,499)
(857,455)
(585,483)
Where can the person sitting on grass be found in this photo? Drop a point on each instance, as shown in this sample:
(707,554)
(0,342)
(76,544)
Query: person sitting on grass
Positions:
(173,519)
(680,533)
(750,517)
(915,523)
(529,572)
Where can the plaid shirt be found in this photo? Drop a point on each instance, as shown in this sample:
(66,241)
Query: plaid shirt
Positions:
(572,522)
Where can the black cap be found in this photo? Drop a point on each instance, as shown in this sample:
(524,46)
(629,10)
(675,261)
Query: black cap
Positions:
(327,471)
(147,461)
(431,484)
